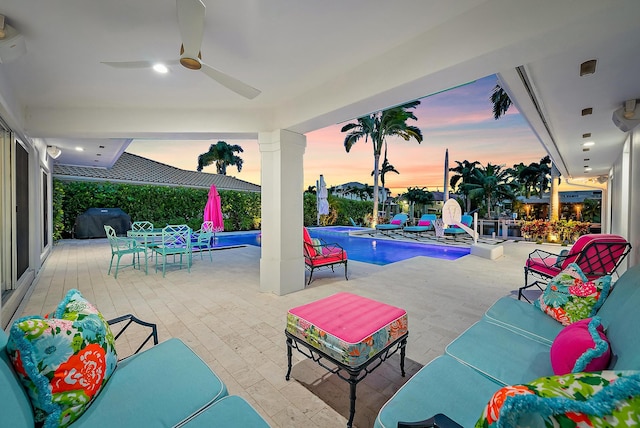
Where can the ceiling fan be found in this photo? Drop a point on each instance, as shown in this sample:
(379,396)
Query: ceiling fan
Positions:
(191,25)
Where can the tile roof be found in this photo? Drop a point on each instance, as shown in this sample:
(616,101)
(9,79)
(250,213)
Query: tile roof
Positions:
(134,169)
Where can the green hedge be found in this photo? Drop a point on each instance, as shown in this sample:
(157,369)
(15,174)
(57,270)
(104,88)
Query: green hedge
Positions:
(160,205)
(164,205)
(340,209)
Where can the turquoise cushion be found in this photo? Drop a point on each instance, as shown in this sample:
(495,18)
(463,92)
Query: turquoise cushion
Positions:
(505,356)
(523,318)
(158,387)
(15,407)
(230,411)
(443,386)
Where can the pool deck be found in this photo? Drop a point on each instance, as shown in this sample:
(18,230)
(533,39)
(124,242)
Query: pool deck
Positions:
(218,310)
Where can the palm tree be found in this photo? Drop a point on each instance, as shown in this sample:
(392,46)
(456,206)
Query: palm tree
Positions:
(378,126)
(222,154)
(521,188)
(501,102)
(464,175)
(386,167)
(537,176)
(490,182)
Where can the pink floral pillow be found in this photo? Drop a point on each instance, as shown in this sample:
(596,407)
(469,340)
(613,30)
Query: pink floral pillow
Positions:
(570,296)
(424,223)
(395,221)
(63,362)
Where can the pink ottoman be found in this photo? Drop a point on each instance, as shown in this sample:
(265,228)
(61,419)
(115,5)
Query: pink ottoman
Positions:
(351,332)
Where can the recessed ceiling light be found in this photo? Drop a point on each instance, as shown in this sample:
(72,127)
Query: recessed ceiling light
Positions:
(588,144)
(587,111)
(79,149)
(586,159)
(587,169)
(587,135)
(160,68)
(98,154)
(588,67)
(101,147)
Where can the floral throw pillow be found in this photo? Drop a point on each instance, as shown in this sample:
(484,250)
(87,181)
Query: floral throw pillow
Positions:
(63,361)
(570,296)
(607,398)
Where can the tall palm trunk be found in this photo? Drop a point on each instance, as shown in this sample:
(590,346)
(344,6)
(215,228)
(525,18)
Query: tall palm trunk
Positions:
(376,165)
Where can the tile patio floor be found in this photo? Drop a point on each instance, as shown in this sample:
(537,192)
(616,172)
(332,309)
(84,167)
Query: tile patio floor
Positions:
(218,310)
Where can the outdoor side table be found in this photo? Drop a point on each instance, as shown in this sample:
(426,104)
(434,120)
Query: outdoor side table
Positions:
(355,334)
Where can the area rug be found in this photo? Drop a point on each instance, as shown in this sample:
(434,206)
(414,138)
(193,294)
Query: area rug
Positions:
(371,393)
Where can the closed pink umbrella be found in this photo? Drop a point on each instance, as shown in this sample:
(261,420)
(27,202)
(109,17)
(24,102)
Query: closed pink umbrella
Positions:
(212,210)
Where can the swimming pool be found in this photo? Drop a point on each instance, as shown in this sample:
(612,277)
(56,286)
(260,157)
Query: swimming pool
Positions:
(367,250)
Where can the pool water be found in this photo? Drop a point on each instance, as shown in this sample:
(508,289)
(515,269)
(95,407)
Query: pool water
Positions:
(367,250)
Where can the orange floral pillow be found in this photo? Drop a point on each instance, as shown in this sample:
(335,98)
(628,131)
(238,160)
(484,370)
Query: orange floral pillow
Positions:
(63,361)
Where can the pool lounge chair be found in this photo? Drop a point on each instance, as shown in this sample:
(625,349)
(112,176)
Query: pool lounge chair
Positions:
(425,224)
(397,223)
(454,230)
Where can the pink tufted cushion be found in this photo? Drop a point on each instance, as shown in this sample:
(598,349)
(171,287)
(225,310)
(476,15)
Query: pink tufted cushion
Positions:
(395,221)
(424,223)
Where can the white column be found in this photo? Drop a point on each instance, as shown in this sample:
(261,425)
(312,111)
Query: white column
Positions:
(282,182)
(554,200)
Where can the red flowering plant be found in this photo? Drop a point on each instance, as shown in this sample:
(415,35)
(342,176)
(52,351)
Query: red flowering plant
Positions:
(535,230)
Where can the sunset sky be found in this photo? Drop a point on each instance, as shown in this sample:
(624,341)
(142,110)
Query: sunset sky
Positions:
(460,120)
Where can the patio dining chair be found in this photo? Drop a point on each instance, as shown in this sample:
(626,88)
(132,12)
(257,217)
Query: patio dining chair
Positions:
(143,226)
(203,239)
(596,255)
(122,246)
(175,245)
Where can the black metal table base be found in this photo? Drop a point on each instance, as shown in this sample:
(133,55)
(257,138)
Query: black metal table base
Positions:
(353,375)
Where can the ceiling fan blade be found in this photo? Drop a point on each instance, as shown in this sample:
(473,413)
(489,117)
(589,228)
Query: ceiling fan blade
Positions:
(234,84)
(191,25)
(137,64)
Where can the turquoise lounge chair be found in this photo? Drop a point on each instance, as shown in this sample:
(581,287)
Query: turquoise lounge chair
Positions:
(466,219)
(425,224)
(397,223)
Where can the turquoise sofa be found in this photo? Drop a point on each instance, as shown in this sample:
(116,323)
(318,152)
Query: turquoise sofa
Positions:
(167,385)
(509,345)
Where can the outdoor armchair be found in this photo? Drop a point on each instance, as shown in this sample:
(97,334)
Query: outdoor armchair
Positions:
(122,246)
(143,226)
(319,254)
(202,240)
(176,243)
(595,254)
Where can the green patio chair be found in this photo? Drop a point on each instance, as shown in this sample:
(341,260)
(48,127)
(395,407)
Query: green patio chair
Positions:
(203,239)
(143,226)
(123,246)
(175,244)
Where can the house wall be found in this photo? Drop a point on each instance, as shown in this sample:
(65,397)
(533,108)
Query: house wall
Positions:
(624,203)
(15,286)
(634,197)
